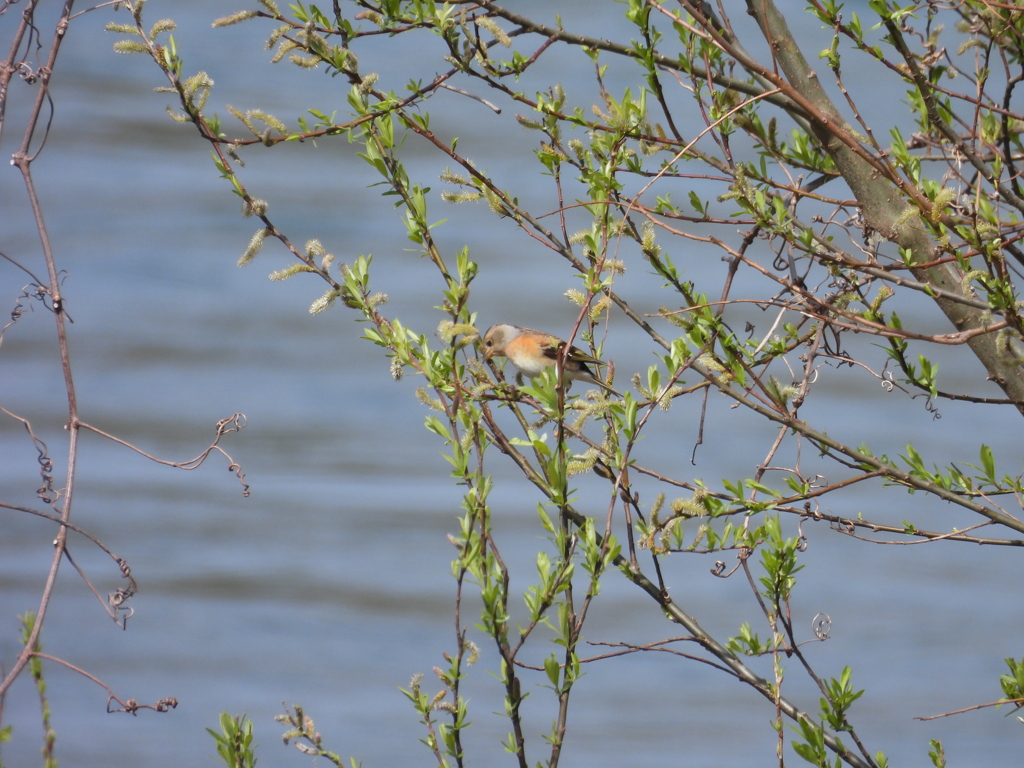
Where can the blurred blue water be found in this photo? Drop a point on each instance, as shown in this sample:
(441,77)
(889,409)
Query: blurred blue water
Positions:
(329,587)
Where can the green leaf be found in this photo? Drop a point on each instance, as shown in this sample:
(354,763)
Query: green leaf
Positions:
(552,669)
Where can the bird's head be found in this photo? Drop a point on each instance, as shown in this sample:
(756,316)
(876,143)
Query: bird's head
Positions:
(496,338)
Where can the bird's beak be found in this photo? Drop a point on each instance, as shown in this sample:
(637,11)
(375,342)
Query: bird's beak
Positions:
(488,353)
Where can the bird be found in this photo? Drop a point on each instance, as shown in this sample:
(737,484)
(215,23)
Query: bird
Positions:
(532,352)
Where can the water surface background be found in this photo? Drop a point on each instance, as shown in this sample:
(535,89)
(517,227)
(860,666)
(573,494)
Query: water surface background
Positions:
(329,587)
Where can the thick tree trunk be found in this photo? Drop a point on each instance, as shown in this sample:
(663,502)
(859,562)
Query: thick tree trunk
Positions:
(884,205)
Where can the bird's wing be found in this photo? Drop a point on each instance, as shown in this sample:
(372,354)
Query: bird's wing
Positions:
(578,355)
(550,347)
(553,346)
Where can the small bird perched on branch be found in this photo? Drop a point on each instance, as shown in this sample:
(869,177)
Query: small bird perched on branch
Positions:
(531,352)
